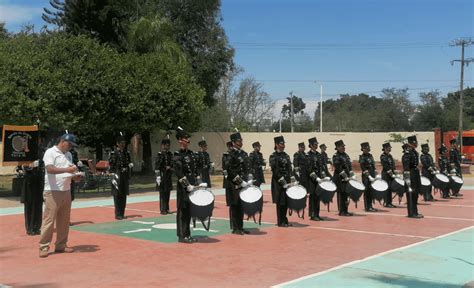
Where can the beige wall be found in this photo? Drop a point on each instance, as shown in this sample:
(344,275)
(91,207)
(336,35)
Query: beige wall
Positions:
(216,142)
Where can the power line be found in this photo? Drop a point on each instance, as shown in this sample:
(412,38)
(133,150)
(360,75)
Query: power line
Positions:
(311,46)
(350,81)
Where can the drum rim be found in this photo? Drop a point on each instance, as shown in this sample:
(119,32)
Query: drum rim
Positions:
(426,179)
(299,187)
(247,189)
(210,192)
(442,177)
(379,181)
(358,183)
(330,183)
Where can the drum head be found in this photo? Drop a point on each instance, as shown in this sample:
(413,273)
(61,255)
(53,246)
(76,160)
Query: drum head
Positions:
(201,197)
(442,177)
(328,186)
(357,185)
(379,185)
(251,194)
(457,179)
(296,192)
(425,181)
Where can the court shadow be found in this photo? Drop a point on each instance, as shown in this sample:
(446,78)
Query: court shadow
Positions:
(382,210)
(298,225)
(133,216)
(37,285)
(80,222)
(206,239)
(329,219)
(85,248)
(256,231)
(359,215)
(405,281)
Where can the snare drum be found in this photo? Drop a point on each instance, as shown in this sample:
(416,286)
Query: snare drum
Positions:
(456,184)
(398,186)
(252,200)
(202,204)
(296,197)
(355,189)
(326,190)
(425,187)
(440,181)
(379,189)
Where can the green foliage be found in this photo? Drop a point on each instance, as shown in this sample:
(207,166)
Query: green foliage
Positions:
(396,137)
(75,83)
(3,31)
(451,108)
(298,106)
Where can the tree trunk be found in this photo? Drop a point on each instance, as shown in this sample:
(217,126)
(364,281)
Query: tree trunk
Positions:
(147,168)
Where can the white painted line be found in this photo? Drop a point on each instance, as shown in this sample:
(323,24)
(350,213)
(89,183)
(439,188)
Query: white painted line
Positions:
(144,222)
(138,230)
(453,205)
(368,258)
(368,232)
(429,217)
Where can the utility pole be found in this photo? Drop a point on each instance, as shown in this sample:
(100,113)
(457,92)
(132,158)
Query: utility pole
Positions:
(291,111)
(320,106)
(463,42)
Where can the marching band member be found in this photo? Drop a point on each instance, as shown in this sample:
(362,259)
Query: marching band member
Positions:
(388,172)
(411,175)
(428,168)
(367,166)
(120,164)
(342,174)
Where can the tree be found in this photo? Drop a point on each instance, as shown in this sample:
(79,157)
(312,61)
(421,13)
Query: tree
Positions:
(451,107)
(430,113)
(298,106)
(54,16)
(3,31)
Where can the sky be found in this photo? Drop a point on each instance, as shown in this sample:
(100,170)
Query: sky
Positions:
(346,46)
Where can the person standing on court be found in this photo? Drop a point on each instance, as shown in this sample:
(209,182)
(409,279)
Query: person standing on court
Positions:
(342,174)
(281,177)
(411,175)
(120,164)
(257,164)
(57,197)
(164,165)
(315,173)
(185,168)
(444,167)
(325,160)
(239,173)
(204,163)
(455,158)
(388,172)
(367,166)
(300,165)
(427,169)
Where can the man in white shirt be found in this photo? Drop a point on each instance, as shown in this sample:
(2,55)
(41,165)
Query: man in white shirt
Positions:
(59,172)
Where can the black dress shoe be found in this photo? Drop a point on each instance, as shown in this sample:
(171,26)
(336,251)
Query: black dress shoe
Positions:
(283,225)
(185,240)
(314,218)
(320,218)
(163,212)
(245,231)
(391,206)
(237,232)
(119,217)
(418,216)
(31,233)
(37,232)
(371,210)
(193,239)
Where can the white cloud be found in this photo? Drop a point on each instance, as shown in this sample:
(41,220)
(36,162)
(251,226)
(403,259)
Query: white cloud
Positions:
(16,14)
(311,106)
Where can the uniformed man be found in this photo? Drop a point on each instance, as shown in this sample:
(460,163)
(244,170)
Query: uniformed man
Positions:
(315,173)
(342,174)
(239,177)
(32,193)
(257,164)
(388,172)
(326,160)
(185,168)
(281,177)
(367,166)
(300,165)
(204,163)
(444,167)
(164,169)
(74,185)
(120,164)
(225,161)
(455,158)
(428,168)
(411,175)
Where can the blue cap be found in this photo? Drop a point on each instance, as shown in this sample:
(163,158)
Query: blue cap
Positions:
(71,138)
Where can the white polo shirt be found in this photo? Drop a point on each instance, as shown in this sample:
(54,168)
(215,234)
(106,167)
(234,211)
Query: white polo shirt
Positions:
(57,182)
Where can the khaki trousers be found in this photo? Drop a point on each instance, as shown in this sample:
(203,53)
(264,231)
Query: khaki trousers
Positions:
(57,209)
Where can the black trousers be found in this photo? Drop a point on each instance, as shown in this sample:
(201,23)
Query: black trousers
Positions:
(314,204)
(412,203)
(32,196)
(236,216)
(281,210)
(120,201)
(165,200)
(183,221)
(205,177)
(388,196)
(342,198)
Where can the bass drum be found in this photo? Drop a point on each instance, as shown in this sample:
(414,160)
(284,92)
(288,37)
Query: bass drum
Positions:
(379,189)
(355,189)
(398,186)
(201,206)
(326,191)
(296,199)
(252,200)
(440,181)
(456,184)
(425,185)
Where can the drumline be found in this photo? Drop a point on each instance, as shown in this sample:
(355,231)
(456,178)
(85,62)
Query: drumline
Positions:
(202,199)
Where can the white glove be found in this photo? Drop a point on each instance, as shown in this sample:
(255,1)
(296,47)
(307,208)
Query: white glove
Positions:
(203,185)
(158,180)
(190,188)
(36,163)
(263,168)
(371,179)
(244,184)
(378,176)
(212,164)
(319,180)
(130,165)
(286,186)
(353,177)
(250,182)
(326,178)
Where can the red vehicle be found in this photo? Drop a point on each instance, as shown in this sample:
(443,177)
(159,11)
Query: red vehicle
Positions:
(467,149)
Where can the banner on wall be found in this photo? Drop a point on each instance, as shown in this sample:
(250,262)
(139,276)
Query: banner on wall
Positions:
(20,144)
